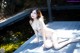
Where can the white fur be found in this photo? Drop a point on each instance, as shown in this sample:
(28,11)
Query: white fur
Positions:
(40,27)
(50,38)
(48,43)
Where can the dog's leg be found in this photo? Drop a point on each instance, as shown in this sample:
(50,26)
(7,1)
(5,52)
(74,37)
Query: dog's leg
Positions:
(37,37)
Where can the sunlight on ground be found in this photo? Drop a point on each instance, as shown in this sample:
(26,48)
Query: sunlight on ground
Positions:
(67,33)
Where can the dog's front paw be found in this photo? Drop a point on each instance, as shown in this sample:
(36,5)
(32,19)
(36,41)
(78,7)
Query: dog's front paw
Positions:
(36,40)
(47,44)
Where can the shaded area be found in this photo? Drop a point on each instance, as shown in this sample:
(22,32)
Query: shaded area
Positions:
(21,30)
(66,15)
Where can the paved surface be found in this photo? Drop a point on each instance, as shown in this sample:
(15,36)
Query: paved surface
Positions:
(63,28)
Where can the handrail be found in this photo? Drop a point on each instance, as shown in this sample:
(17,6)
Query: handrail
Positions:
(14,18)
(21,15)
(65,7)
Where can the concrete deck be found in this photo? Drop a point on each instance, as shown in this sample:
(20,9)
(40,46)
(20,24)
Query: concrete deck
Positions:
(62,27)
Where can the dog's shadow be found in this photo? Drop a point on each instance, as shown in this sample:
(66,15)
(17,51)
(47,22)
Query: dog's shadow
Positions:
(34,45)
